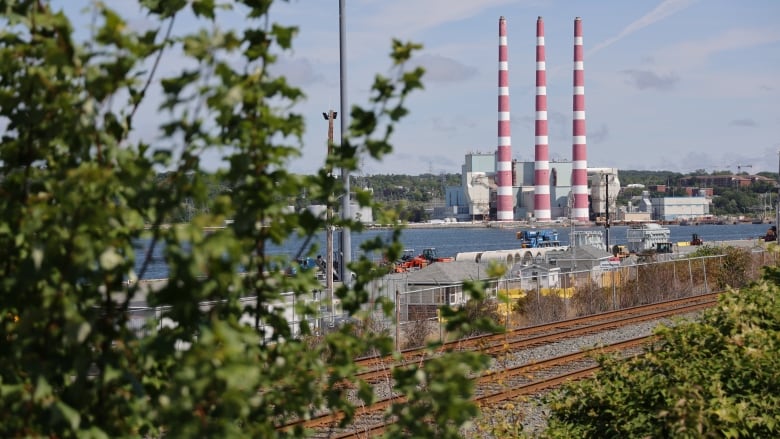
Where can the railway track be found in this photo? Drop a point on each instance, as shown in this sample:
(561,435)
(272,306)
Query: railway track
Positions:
(506,382)
(518,381)
(380,368)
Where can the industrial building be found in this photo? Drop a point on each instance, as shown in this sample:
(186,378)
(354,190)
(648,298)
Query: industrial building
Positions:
(475,198)
(496,188)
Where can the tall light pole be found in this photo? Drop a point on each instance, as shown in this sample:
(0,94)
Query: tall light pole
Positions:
(606,208)
(329,116)
(346,239)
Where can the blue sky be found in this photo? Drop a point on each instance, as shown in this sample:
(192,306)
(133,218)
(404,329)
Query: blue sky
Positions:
(669,84)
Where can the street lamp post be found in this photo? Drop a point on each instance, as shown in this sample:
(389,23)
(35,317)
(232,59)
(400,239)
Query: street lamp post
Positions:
(329,116)
(346,238)
(606,209)
(777,211)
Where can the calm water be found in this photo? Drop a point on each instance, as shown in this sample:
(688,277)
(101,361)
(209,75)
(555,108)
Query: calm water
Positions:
(451,241)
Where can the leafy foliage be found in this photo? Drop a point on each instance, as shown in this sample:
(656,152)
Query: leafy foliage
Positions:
(77,193)
(715,378)
(733,271)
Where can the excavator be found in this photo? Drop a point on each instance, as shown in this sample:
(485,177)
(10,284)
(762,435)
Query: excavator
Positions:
(409,261)
(431,255)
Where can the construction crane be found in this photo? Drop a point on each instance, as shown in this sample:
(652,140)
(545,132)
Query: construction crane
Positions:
(739,168)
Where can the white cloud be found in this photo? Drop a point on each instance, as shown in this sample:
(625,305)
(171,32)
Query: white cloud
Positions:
(695,53)
(646,79)
(412,16)
(743,123)
(666,9)
(442,69)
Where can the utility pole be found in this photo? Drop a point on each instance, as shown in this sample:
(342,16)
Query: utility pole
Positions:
(572,243)
(329,116)
(346,238)
(606,207)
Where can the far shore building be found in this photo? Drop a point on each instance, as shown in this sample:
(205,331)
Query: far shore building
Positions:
(475,198)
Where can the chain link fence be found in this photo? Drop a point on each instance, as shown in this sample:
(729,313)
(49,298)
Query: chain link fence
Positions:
(514,302)
(548,297)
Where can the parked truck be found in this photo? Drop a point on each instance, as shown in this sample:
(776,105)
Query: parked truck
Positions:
(538,238)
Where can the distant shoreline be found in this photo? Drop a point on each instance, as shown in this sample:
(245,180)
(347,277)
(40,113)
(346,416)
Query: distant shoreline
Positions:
(477,225)
(509,225)
(549,225)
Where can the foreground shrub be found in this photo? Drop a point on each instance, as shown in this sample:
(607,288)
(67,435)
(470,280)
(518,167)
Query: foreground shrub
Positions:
(714,378)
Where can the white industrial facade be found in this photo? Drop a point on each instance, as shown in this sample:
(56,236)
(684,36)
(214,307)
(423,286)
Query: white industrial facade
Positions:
(679,208)
(476,196)
(477,183)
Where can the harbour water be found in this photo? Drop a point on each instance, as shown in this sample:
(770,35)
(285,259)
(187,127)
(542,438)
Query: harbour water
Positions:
(450,241)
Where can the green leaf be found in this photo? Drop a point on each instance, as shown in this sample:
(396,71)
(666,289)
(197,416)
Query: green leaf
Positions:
(203,8)
(42,389)
(68,414)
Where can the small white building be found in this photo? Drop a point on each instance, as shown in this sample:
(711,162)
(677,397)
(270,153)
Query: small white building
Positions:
(646,236)
(678,208)
(537,276)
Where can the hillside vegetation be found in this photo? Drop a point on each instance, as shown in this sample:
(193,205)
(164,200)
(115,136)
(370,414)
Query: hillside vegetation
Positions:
(412,197)
(718,377)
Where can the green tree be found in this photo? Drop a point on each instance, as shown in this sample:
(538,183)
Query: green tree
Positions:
(77,193)
(714,378)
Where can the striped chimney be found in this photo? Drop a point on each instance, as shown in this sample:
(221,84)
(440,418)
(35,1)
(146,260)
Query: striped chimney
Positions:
(541,149)
(579,172)
(505,208)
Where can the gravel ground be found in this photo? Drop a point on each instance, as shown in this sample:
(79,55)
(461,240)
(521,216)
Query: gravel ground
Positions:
(531,413)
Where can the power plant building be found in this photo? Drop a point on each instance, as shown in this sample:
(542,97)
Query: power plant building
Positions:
(494,187)
(475,198)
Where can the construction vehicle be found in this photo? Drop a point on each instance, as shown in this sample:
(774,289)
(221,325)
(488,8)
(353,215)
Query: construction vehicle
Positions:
(431,255)
(696,240)
(649,255)
(410,261)
(620,251)
(771,234)
(538,238)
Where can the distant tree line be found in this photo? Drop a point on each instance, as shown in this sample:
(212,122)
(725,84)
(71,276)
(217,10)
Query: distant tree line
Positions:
(412,197)
(751,200)
(409,196)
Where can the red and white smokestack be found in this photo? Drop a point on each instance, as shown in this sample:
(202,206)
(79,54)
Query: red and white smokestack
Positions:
(505,207)
(541,148)
(579,172)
